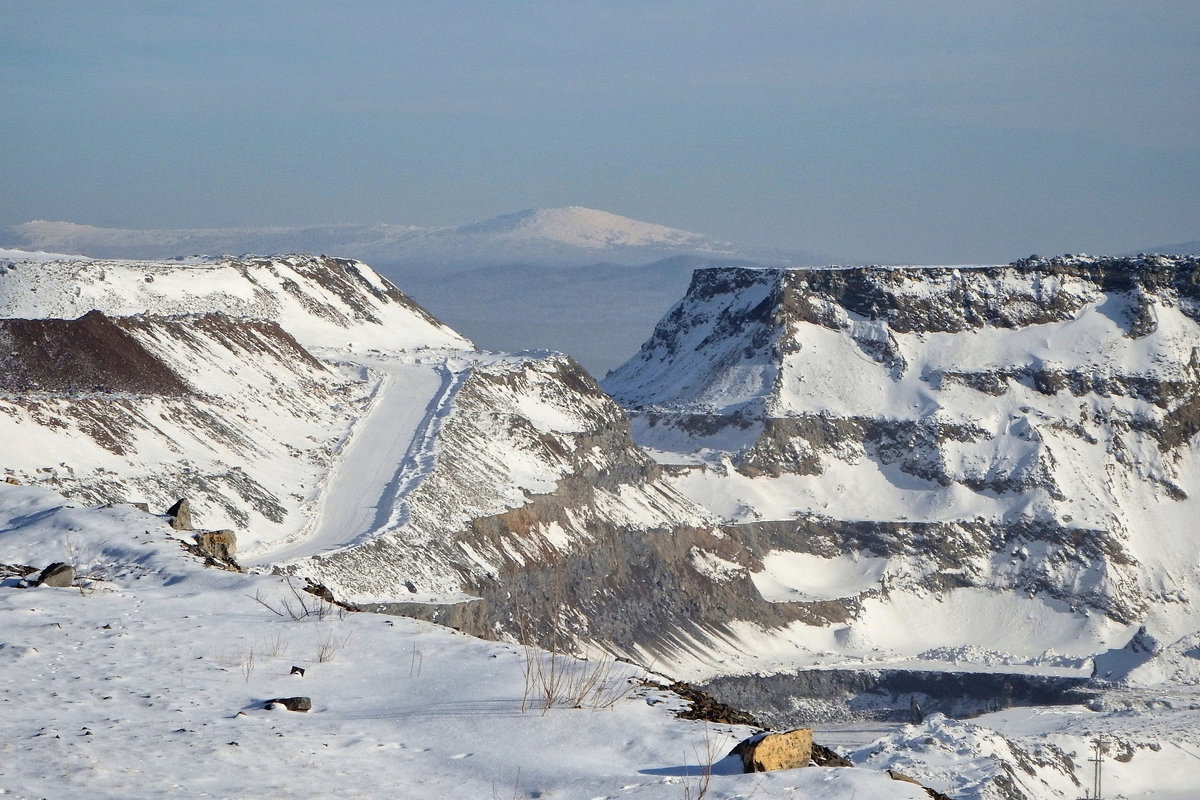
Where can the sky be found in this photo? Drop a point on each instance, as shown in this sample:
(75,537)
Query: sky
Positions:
(937,132)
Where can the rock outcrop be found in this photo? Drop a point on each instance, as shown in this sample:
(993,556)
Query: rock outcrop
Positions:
(540,504)
(181,515)
(291,703)
(221,545)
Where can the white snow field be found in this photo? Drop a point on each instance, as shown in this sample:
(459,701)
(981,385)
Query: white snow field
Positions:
(151,680)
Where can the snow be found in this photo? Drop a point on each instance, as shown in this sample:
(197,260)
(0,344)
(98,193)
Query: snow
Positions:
(387,453)
(152,679)
(405,709)
(8,254)
(864,490)
(277,289)
(788,577)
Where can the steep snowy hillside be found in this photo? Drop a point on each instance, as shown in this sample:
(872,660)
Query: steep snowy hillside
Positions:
(976,445)
(135,381)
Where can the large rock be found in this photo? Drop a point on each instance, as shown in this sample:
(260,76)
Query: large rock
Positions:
(181,515)
(221,545)
(291,703)
(767,752)
(57,574)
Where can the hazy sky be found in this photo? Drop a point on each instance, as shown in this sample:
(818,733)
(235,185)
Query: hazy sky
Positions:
(931,131)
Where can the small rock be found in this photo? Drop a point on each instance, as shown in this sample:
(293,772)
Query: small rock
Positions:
(767,752)
(826,757)
(141,507)
(298,671)
(291,703)
(900,776)
(181,515)
(57,574)
(12,480)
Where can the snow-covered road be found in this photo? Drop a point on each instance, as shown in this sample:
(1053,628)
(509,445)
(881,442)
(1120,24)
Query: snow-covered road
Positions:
(388,452)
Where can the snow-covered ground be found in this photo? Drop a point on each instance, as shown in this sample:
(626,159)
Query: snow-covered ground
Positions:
(151,680)
(151,677)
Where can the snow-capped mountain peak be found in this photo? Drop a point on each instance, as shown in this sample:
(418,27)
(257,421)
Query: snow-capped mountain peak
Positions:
(590,228)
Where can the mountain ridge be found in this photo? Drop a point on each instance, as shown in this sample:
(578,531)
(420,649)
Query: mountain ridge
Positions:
(1028,428)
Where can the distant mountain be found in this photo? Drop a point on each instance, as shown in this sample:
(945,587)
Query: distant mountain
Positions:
(571,236)
(1184,249)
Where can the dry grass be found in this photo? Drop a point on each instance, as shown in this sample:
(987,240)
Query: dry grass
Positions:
(299,604)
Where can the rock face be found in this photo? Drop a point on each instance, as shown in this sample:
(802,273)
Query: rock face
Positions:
(540,504)
(767,752)
(221,545)
(1028,428)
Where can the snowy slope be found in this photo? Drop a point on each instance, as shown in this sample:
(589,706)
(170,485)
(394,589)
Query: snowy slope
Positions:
(158,670)
(973,439)
(345,439)
(139,381)
(323,302)
(151,678)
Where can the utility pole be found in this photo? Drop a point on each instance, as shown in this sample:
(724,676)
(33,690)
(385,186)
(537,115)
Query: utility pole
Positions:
(1095,760)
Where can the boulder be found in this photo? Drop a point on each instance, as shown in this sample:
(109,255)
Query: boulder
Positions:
(181,515)
(826,757)
(221,545)
(12,480)
(933,793)
(291,703)
(900,776)
(766,752)
(57,574)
